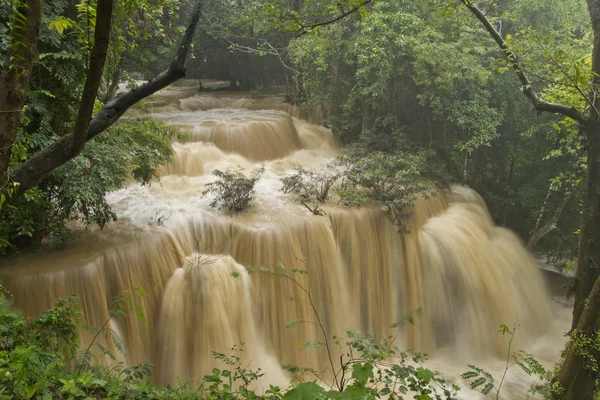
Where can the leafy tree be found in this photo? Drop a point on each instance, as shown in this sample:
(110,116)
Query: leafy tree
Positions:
(51,79)
(392,179)
(423,71)
(574,381)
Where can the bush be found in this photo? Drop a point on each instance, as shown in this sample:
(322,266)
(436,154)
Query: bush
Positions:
(31,354)
(233,191)
(35,357)
(312,188)
(393,180)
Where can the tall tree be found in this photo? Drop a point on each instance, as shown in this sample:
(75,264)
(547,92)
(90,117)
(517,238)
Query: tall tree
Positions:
(574,381)
(27,19)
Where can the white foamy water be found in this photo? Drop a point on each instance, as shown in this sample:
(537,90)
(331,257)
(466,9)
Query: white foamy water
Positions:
(466,275)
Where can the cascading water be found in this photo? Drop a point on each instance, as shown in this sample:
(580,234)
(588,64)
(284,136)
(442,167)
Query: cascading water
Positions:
(465,275)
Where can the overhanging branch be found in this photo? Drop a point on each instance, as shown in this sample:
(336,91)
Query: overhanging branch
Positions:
(528,90)
(32,171)
(94,74)
(309,28)
(270,51)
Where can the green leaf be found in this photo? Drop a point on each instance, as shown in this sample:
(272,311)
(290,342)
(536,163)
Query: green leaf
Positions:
(362,372)
(30,391)
(99,382)
(425,375)
(291,325)
(306,391)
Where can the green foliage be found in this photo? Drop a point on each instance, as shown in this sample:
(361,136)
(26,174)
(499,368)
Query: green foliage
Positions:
(35,358)
(586,345)
(427,69)
(479,378)
(312,188)
(394,181)
(482,380)
(233,190)
(374,368)
(142,37)
(30,352)
(141,31)
(234,383)
(132,148)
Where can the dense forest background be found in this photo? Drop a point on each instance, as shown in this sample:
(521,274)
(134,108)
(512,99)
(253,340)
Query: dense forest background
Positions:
(417,77)
(417,89)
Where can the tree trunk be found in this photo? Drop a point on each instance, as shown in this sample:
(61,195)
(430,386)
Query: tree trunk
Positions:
(14,80)
(93,77)
(233,86)
(574,381)
(588,265)
(114,85)
(577,380)
(542,230)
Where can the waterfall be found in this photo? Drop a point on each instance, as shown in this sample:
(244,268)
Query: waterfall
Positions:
(465,275)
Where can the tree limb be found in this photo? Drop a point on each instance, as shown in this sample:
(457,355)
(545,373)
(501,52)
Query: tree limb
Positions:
(528,90)
(570,78)
(272,51)
(307,29)
(32,171)
(94,74)
(540,231)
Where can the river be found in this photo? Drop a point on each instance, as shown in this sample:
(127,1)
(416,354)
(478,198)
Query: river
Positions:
(463,274)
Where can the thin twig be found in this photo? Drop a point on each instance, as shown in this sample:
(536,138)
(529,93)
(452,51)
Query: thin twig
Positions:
(112,313)
(307,29)
(320,323)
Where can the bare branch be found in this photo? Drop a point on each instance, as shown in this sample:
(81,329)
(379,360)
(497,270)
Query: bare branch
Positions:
(307,29)
(540,231)
(271,51)
(528,90)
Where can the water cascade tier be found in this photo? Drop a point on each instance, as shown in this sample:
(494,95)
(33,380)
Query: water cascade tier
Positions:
(201,268)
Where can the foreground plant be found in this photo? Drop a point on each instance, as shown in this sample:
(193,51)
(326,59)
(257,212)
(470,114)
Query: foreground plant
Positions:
(480,379)
(368,368)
